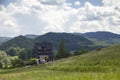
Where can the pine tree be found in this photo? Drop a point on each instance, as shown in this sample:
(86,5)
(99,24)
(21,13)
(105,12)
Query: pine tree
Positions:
(62,53)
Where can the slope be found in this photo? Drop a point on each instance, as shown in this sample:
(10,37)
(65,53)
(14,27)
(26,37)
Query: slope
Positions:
(97,65)
(19,41)
(106,59)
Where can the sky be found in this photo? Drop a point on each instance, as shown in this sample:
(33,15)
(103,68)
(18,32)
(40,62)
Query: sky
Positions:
(20,17)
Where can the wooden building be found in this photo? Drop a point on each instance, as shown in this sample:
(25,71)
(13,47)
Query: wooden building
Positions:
(43,51)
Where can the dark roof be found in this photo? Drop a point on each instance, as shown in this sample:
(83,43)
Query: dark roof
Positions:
(44,43)
(45,48)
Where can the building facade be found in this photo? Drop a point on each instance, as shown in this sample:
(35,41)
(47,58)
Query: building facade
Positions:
(43,51)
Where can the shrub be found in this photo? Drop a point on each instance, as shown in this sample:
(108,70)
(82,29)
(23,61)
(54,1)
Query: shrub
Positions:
(32,61)
(79,52)
(18,63)
(1,65)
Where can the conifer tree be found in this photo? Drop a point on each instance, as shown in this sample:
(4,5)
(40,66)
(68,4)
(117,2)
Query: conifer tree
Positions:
(62,53)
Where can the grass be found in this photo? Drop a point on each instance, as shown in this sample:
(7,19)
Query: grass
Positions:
(59,75)
(96,65)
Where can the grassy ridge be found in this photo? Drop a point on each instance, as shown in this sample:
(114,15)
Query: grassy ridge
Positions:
(97,65)
(103,60)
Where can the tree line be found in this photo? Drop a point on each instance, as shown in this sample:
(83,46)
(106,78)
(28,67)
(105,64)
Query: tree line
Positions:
(19,57)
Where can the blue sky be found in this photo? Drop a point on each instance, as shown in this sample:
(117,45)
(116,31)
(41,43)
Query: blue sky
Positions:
(94,2)
(6,2)
(42,16)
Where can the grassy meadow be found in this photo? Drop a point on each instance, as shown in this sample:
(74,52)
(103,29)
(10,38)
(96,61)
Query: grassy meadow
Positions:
(101,64)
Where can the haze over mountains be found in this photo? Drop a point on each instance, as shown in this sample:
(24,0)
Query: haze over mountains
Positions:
(4,39)
(73,41)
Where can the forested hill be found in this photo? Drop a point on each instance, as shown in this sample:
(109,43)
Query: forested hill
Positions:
(72,42)
(19,41)
(107,37)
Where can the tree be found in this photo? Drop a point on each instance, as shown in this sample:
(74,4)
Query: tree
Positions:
(4,60)
(32,61)
(25,54)
(17,63)
(62,53)
(7,62)
(13,51)
(1,65)
(29,53)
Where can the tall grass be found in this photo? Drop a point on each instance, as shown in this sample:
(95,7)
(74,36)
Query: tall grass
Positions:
(60,75)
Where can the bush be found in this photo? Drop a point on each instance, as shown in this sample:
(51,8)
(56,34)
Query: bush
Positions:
(79,52)
(1,65)
(98,49)
(18,63)
(32,61)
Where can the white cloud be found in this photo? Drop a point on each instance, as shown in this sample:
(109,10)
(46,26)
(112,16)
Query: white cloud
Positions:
(8,25)
(111,2)
(77,3)
(41,16)
(52,2)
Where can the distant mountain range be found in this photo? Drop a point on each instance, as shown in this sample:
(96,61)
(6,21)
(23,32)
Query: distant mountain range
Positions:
(4,39)
(73,41)
(108,37)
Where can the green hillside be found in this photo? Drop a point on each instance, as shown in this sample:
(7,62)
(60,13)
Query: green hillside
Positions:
(98,42)
(19,41)
(99,60)
(72,42)
(107,37)
(102,64)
